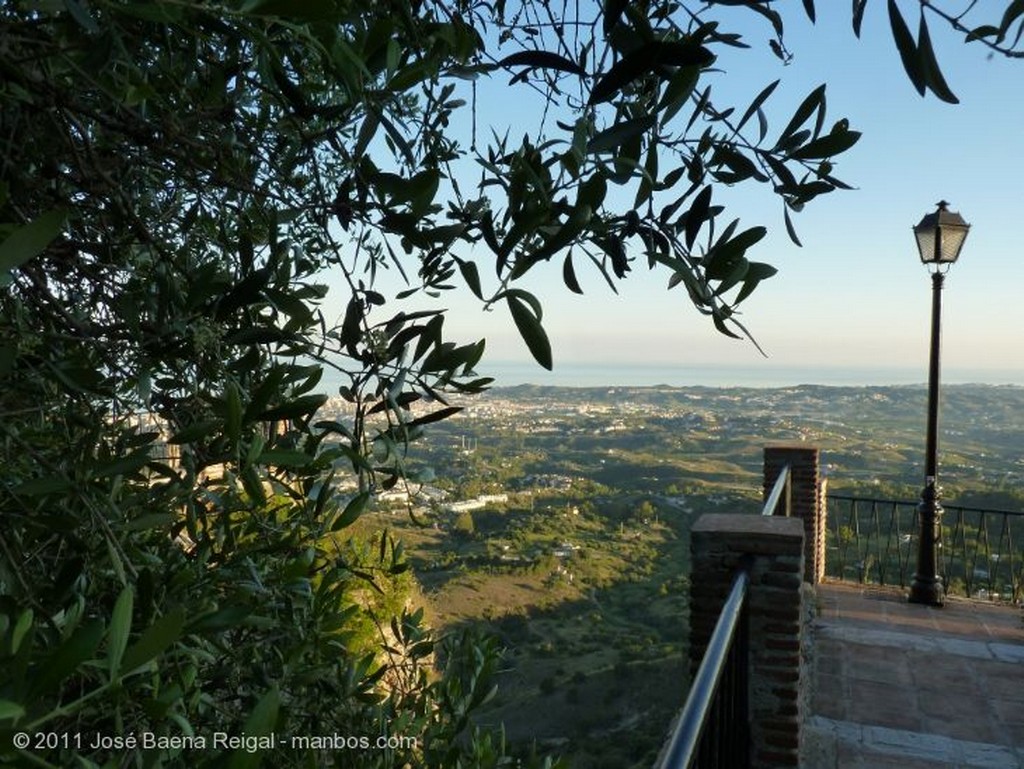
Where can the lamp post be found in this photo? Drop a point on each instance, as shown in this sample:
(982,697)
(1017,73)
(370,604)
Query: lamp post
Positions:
(940,236)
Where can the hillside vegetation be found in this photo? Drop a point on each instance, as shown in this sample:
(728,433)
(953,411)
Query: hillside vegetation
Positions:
(582,568)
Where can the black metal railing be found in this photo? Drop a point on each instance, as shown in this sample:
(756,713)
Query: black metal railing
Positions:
(981,553)
(714,727)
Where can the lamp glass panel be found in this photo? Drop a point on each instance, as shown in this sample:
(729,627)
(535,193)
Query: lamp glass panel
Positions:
(952,241)
(925,243)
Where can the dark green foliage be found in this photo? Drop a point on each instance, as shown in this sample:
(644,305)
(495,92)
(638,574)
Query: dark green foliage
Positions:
(175,178)
(175,556)
(463,525)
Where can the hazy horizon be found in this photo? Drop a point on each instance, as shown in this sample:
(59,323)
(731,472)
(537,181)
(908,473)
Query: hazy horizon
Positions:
(585,374)
(618,374)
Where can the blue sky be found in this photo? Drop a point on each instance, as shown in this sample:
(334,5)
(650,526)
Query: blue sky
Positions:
(856,294)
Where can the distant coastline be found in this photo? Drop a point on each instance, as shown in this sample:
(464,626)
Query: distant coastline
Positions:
(508,374)
(512,374)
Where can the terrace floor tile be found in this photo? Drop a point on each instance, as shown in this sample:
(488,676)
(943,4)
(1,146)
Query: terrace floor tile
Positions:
(915,687)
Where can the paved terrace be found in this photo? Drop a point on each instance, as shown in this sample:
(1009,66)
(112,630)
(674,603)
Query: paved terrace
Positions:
(902,686)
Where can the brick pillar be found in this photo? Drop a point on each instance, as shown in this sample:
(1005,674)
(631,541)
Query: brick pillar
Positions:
(775,615)
(808,499)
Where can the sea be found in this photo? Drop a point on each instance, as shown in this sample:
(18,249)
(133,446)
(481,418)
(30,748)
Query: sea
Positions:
(576,374)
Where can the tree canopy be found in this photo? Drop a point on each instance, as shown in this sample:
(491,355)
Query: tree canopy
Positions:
(176,177)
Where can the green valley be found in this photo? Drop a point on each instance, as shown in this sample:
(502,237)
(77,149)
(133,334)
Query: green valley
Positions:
(558,518)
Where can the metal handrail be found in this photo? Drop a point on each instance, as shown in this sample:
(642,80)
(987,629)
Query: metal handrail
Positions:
(725,660)
(781,492)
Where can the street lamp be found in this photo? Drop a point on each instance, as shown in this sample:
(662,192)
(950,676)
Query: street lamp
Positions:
(940,236)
